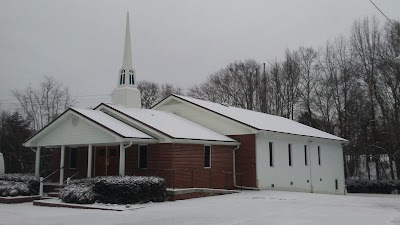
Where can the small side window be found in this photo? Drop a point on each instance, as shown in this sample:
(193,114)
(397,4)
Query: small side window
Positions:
(207,156)
(271,154)
(336,184)
(319,155)
(305,155)
(290,154)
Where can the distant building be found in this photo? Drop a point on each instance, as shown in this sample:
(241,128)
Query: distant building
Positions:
(191,143)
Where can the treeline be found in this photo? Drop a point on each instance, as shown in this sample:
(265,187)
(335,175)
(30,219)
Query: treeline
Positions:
(349,87)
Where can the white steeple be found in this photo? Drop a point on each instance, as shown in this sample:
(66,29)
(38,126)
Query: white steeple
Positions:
(127,61)
(126,92)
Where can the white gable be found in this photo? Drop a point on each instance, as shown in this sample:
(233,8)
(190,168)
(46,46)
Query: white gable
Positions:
(83,126)
(66,133)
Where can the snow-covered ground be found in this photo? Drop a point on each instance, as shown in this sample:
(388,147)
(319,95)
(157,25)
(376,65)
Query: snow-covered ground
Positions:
(248,207)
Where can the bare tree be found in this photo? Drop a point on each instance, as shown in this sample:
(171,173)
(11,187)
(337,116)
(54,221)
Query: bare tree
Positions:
(44,104)
(150,93)
(167,89)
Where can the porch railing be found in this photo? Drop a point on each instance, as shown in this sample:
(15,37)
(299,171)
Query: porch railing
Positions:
(41,179)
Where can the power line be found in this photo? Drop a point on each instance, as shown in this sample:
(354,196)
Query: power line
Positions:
(382,13)
(3,101)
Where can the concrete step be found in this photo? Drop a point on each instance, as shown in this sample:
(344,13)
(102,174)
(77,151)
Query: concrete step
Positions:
(51,187)
(52,194)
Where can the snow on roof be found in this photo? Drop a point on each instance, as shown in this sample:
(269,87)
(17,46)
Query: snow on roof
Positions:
(262,121)
(111,123)
(171,124)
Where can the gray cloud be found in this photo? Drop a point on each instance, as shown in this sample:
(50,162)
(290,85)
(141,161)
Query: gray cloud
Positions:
(176,41)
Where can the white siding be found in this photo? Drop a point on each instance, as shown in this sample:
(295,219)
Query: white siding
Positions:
(281,174)
(205,118)
(64,133)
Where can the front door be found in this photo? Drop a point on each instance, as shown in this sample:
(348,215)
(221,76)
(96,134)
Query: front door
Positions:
(107,161)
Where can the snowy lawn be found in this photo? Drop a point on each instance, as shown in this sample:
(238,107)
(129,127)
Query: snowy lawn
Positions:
(248,207)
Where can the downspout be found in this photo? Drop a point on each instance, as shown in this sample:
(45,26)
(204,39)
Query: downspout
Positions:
(344,167)
(309,158)
(129,145)
(234,172)
(234,165)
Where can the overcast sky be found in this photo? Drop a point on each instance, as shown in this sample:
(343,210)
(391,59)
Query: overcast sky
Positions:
(80,43)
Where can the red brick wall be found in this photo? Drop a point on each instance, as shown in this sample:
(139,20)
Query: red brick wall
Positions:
(181,165)
(245,160)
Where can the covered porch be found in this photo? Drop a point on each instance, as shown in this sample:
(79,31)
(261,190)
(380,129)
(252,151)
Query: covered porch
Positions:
(90,142)
(87,161)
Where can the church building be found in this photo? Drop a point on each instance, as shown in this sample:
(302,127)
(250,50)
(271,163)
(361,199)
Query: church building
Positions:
(190,143)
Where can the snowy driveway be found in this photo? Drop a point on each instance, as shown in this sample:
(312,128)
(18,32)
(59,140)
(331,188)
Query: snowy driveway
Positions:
(248,207)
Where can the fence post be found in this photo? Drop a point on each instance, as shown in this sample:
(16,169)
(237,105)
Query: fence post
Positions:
(68,180)
(41,187)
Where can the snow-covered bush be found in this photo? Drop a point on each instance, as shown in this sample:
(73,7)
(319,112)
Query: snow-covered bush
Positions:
(28,179)
(12,188)
(130,189)
(78,193)
(115,190)
(373,186)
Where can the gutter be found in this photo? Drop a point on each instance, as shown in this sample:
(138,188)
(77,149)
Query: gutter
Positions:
(234,172)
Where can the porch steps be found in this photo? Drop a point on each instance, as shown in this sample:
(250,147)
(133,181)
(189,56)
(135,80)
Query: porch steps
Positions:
(53,194)
(52,189)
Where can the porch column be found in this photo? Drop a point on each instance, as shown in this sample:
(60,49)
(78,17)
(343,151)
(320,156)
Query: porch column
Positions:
(62,159)
(121,159)
(90,159)
(37,162)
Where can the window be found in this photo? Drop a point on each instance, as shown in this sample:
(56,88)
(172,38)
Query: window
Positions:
(336,185)
(73,158)
(143,156)
(133,81)
(120,80)
(319,155)
(271,154)
(290,154)
(123,81)
(305,155)
(207,156)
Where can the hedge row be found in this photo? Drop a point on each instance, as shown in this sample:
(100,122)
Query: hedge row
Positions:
(19,184)
(373,186)
(115,190)
(78,193)
(12,188)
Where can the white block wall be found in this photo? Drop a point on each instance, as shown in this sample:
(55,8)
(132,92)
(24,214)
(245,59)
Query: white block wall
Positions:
(321,178)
